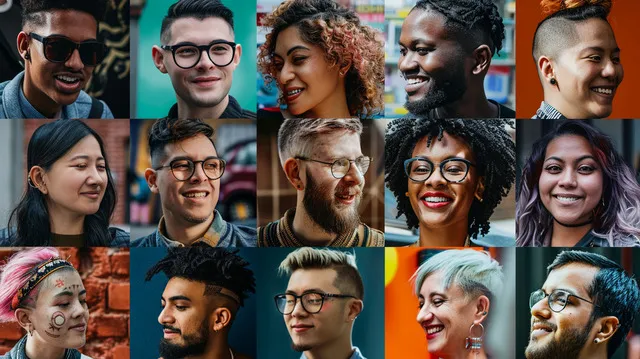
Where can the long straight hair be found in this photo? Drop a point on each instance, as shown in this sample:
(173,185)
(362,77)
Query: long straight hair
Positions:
(29,223)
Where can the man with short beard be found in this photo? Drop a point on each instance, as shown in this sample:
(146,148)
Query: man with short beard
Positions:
(206,288)
(186,172)
(446,48)
(323,161)
(585,309)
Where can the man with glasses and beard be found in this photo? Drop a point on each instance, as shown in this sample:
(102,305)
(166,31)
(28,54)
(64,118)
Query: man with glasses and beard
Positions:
(206,288)
(585,309)
(446,48)
(323,299)
(59,46)
(186,172)
(323,161)
(199,54)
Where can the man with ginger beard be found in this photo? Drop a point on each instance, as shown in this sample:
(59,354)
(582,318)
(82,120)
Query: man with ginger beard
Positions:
(585,309)
(323,161)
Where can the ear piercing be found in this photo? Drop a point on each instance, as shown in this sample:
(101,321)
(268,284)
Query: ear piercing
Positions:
(596,340)
(553,81)
(30,182)
(406,194)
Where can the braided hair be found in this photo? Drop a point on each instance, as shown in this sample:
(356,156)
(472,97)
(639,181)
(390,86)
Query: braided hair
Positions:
(489,141)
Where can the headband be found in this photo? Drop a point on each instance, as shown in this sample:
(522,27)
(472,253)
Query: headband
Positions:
(42,271)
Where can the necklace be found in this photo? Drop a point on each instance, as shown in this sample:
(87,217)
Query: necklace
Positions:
(231,352)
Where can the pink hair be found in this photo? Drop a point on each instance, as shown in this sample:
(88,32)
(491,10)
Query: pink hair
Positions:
(15,274)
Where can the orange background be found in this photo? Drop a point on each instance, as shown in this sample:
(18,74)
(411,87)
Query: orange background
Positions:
(623,18)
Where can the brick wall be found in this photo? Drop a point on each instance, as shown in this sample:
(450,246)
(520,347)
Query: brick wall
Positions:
(105,274)
(115,135)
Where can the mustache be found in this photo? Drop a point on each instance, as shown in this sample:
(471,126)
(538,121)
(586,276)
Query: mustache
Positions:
(173,329)
(545,323)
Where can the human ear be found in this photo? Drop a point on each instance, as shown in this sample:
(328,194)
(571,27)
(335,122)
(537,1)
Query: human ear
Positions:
(36,177)
(482,305)
(292,170)
(545,67)
(607,327)
(221,318)
(151,176)
(158,58)
(23,316)
(236,58)
(482,56)
(23,45)
(355,308)
(480,189)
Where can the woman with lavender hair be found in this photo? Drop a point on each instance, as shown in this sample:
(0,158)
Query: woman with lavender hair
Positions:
(577,191)
(45,295)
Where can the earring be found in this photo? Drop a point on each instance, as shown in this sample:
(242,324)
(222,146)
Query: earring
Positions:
(553,81)
(342,73)
(602,201)
(473,221)
(27,56)
(485,313)
(475,343)
(480,199)
(30,182)
(596,340)
(406,194)
(30,331)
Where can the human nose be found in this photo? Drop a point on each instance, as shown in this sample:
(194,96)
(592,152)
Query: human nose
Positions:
(204,62)
(567,179)
(353,175)
(424,315)
(298,309)
(75,62)
(610,69)
(165,316)
(286,75)
(407,62)
(96,177)
(436,178)
(541,309)
(198,173)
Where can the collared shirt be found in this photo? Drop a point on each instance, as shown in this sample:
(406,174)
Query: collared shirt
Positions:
(548,112)
(356,354)
(233,110)
(220,234)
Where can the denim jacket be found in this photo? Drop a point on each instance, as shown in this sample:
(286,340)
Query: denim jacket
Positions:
(119,238)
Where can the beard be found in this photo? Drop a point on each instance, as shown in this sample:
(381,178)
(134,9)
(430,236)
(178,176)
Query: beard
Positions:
(301,347)
(319,205)
(568,347)
(448,86)
(194,344)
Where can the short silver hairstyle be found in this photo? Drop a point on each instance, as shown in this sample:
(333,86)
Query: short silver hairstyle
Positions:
(296,136)
(474,271)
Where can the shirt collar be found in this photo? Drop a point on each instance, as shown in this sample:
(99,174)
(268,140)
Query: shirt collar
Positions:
(216,231)
(548,112)
(356,354)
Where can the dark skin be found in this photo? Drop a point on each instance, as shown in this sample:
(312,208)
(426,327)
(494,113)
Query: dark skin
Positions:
(428,47)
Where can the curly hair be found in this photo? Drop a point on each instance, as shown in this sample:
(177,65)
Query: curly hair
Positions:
(343,39)
(618,221)
(212,266)
(465,15)
(489,141)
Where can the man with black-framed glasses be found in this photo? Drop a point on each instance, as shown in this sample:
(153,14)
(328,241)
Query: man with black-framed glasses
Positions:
(199,54)
(324,297)
(323,161)
(186,171)
(585,308)
(59,46)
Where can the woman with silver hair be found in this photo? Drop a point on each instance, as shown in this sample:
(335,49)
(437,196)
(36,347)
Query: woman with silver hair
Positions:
(455,289)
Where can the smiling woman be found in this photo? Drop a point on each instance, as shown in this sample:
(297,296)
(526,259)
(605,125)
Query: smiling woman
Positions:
(70,193)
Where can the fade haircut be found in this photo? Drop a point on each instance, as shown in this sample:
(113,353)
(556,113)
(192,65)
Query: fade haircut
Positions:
(612,291)
(197,9)
(348,279)
(296,136)
(215,267)
(475,22)
(171,130)
(475,272)
(34,11)
(558,30)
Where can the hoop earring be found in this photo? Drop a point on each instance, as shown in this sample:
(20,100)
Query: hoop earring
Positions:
(30,182)
(474,343)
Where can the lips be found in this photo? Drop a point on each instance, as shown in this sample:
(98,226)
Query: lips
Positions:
(196,194)
(432,331)
(347,197)
(301,328)
(292,93)
(91,194)
(607,91)
(79,327)
(68,82)
(206,81)
(566,198)
(539,329)
(436,199)
(415,83)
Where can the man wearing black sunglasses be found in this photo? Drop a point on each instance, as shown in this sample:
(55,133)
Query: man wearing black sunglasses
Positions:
(199,54)
(59,47)
(585,309)
(186,172)
(324,297)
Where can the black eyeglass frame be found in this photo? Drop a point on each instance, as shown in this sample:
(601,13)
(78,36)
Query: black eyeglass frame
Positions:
(201,48)
(548,296)
(408,162)
(223,165)
(336,161)
(324,296)
(45,42)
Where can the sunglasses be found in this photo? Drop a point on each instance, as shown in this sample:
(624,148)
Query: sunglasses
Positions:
(58,48)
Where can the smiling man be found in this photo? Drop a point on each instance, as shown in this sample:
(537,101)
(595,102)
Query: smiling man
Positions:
(585,308)
(199,54)
(322,301)
(206,288)
(323,161)
(186,174)
(59,45)
(446,48)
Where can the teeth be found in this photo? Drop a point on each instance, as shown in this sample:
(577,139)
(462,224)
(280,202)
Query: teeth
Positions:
(195,194)
(345,196)
(415,81)
(567,199)
(294,92)
(433,330)
(603,90)
(67,79)
(436,199)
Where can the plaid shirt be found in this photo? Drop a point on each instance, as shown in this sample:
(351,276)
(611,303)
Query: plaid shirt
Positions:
(548,112)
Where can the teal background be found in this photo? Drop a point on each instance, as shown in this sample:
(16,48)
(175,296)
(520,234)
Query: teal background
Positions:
(155,94)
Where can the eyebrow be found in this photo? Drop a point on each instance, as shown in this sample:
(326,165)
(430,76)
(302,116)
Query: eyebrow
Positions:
(69,293)
(177,297)
(84,157)
(298,47)
(310,290)
(599,49)
(579,159)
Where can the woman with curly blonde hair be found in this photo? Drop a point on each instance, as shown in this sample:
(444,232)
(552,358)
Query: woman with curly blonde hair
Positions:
(325,62)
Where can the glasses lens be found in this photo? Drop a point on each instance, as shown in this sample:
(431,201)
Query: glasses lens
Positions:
(363,164)
(558,300)
(454,171)
(535,298)
(92,53)
(312,302)
(420,170)
(187,56)
(221,54)
(213,168)
(182,169)
(285,303)
(340,168)
(57,49)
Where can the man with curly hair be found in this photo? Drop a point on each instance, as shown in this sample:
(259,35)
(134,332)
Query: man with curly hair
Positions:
(199,54)
(206,288)
(59,46)
(446,48)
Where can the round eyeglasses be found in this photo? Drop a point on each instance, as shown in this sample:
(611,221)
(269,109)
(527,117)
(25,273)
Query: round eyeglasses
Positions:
(419,169)
(184,168)
(341,166)
(187,55)
(557,300)
(311,302)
